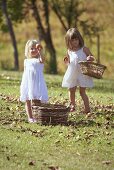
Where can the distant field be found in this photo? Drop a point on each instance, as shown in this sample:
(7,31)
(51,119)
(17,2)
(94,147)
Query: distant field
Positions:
(25,31)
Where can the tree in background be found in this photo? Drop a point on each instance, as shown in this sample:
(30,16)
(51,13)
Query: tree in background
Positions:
(11,11)
(73,13)
(102,13)
(16,11)
(41,14)
(67,11)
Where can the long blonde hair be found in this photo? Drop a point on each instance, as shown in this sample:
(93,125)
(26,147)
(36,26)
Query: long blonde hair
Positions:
(28,45)
(71,34)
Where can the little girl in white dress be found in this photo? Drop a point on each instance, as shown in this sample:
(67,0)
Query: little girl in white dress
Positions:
(33,86)
(73,76)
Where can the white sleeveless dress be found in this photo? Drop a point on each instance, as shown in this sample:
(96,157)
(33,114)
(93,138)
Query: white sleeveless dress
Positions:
(33,85)
(73,76)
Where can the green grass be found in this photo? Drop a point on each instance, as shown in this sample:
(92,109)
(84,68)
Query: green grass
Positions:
(82,144)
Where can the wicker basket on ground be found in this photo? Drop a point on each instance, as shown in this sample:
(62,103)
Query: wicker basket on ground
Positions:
(92,69)
(50,114)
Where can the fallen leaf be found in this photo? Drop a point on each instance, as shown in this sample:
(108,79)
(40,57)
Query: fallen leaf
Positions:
(32,163)
(106,162)
(54,168)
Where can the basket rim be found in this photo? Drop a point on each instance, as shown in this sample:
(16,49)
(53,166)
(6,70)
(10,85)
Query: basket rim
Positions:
(91,62)
(50,109)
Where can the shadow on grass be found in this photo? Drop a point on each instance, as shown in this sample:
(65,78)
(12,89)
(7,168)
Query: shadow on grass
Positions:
(81,123)
(73,123)
(9,119)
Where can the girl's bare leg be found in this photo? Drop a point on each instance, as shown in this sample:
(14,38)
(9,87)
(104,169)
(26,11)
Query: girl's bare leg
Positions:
(85,99)
(72,96)
(28,109)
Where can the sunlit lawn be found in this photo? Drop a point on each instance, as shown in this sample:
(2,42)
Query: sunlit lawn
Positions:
(83,144)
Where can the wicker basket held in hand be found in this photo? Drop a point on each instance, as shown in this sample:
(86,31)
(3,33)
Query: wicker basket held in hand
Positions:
(92,69)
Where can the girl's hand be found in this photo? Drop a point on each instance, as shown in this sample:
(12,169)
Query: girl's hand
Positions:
(66,60)
(90,58)
(39,47)
(88,54)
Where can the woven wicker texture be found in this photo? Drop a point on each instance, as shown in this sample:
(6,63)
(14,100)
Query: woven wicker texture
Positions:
(92,69)
(50,113)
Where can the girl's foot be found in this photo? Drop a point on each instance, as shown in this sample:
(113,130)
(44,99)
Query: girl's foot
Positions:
(32,120)
(88,115)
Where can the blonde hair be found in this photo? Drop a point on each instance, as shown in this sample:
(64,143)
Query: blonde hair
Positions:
(28,45)
(73,33)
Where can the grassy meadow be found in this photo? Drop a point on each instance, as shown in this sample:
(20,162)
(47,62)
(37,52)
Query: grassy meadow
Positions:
(83,143)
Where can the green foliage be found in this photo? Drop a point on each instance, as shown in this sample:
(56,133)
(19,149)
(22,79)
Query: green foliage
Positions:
(70,14)
(15,9)
(4,28)
(15,12)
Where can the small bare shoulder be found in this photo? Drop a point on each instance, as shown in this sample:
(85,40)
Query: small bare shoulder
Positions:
(87,51)
(25,60)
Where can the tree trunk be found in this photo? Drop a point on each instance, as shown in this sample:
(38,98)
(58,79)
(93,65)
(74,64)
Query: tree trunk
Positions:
(44,33)
(11,31)
(98,48)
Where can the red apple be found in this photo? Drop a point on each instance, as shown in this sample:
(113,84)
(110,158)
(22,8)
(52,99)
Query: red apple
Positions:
(38,46)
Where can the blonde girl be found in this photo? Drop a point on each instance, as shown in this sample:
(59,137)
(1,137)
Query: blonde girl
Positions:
(33,86)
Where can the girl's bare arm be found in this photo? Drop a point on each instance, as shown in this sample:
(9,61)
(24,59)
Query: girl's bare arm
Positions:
(66,59)
(88,53)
